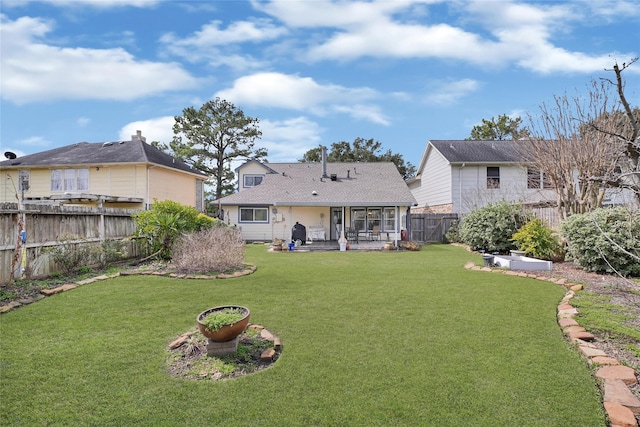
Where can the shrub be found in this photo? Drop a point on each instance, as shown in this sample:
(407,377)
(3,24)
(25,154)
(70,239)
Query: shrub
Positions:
(605,240)
(69,255)
(214,249)
(538,241)
(453,233)
(490,228)
(112,250)
(164,222)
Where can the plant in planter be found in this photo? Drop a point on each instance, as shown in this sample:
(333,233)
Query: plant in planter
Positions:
(223,323)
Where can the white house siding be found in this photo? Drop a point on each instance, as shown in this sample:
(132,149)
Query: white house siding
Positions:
(472,192)
(281,222)
(251,168)
(435,183)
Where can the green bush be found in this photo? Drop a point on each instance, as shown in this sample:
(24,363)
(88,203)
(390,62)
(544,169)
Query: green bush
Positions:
(453,233)
(490,228)
(605,240)
(538,241)
(159,227)
(70,254)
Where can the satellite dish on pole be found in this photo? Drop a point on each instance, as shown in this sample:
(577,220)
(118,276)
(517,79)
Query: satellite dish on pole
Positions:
(9,155)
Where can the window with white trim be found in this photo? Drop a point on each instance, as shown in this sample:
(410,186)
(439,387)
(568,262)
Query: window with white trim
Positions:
(252,180)
(24,180)
(69,180)
(254,215)
(493,177)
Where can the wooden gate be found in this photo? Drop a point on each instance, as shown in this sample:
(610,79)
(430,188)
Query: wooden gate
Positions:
(431,227)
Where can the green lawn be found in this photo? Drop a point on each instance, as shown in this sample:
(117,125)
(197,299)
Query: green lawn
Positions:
(369,338)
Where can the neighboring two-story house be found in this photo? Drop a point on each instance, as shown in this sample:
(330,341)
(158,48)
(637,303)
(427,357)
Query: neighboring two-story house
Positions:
(460,176)
(121,174)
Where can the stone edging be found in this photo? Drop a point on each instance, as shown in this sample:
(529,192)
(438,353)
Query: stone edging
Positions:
(620,403)
(249,269)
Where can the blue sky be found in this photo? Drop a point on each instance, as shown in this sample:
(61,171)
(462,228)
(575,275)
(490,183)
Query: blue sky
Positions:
(314,72)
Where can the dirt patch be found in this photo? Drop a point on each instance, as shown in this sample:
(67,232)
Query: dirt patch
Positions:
(190,360)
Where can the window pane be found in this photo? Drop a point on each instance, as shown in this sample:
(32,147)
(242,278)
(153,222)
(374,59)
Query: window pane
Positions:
(83,179)
(56,180)
(493,177)
(69,180)
(257,180)
(389,219)
(246,214)
(260,214)
(23,180)
(533,178)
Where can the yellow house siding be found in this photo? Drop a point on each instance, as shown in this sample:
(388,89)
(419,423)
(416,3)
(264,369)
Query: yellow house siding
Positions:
(165,184)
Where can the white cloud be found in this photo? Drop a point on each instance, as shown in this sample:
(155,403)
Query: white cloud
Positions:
(301,94)
(34,71)
(157,129)
(288,140)
(447,93)
(514,32)
(34,141)
(211,44)
(83,121)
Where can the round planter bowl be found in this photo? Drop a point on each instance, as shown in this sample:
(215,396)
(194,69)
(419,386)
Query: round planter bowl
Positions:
(227,332)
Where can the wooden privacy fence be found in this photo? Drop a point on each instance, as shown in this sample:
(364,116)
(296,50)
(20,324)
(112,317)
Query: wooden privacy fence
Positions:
(48,225)
(431,227)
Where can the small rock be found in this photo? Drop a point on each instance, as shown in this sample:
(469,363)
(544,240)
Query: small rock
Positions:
(469,265)
(576,287)
(277,344)
(267,355)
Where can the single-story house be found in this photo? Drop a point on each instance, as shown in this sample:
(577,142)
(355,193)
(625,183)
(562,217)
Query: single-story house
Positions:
(121,174)
(366,201)
(459,176)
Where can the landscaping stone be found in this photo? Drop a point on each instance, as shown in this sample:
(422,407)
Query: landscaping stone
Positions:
(86,281)
(585,344)
(572,329)
(256,327)
(267,355)
(615,391)
(179,341)
(591,351)
(620,416)
(266,335)
(68,287)
(623,373)
(567,322)
(604,361)
(51,291)
(277,344)
(585,336)
(9,307)
(567,313)
(562,307)
(576,287)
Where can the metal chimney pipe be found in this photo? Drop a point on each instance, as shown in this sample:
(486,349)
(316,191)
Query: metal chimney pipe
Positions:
(324,161)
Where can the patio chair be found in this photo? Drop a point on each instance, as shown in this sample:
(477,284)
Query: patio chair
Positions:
(375,232)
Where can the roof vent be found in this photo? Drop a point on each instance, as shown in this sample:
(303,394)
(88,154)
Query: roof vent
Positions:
(106,144)
(334,177)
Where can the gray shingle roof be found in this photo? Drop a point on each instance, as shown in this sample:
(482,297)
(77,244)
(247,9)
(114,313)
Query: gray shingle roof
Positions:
(357,184)
(456,151)
(100,153)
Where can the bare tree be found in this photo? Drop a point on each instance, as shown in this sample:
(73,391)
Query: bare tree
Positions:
(584,145)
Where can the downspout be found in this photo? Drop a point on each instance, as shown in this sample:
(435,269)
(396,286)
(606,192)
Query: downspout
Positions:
(460,188)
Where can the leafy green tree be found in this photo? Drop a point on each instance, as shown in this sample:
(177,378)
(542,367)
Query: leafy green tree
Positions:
(361,150)
(503,127)
(211,137)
